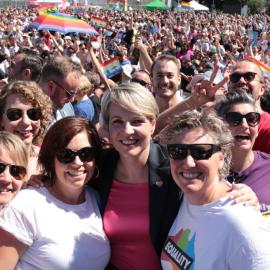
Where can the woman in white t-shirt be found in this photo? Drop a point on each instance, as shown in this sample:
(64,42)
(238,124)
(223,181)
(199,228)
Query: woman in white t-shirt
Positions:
(13,164)
(59,225)
(209,231)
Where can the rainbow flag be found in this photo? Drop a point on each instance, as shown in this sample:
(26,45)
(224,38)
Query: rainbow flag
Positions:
(48,9)
(264,68)
(111,67)
(186,5)
(96,21)
(62,23)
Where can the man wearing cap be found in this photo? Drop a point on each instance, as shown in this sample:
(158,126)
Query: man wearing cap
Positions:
(247,75)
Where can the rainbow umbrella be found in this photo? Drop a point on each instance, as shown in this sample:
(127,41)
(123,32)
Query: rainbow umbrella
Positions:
(62,23)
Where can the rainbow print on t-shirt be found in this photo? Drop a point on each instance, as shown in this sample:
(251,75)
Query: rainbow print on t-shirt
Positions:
(178,251)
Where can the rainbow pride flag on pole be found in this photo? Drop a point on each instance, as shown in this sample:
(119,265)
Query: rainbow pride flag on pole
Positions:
(111,67)
(186,5)
(96,21)
(264,68)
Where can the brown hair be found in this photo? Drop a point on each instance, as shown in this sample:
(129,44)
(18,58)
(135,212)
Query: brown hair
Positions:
(58,137)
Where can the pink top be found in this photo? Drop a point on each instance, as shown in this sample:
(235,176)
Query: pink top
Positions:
(126,223)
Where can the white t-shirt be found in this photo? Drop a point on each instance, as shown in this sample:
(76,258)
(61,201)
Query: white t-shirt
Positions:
(59,235)
(217,236)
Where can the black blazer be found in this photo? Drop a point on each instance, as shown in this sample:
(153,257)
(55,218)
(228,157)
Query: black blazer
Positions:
(165,197)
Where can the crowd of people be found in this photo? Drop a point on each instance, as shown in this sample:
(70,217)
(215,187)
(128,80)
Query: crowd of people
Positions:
(158,163)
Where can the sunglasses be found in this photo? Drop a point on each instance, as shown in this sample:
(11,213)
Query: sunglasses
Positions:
(248,76)
(18,172)
(197,151)
(236,118)
(141,82)
(70,94)
(14,114)
(85,154)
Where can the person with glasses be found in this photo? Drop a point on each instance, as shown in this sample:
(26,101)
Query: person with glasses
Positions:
(139,199)
(60,79)
(209,232)
(58,226)
(13,166)
(239,110)
(143,78)
(247,75)
(25,111)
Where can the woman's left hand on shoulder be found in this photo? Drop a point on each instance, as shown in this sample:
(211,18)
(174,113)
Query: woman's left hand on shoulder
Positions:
(241,193)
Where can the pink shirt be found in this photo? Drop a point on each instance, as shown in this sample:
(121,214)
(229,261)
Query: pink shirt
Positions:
(126,223)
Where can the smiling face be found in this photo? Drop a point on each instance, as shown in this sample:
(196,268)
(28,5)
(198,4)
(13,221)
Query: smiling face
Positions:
(166,79)
(244,135)
(198,179)
(130,133)
(24,127)
(9,186)
(254,87)
(73,176)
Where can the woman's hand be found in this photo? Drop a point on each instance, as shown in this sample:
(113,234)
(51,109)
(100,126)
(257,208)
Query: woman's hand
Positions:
(241,193)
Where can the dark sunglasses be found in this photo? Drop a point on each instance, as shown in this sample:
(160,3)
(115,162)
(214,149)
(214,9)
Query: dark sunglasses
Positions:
(14,114)
(18,172)
(197,151)
(69,94)
(236,118)
(85,154)
(141,82)
(248,76)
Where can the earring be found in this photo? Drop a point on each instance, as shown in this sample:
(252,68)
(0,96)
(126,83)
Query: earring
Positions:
(96,173)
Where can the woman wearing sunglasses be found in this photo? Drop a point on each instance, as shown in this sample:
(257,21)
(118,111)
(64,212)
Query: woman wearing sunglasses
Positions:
(25,111)
(139,198)
(250,167)
(58,226)
(209,231)
(13,164)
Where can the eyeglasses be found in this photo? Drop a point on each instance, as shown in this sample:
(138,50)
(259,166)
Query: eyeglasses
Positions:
(14,114)
(70,94)
(18,172)
(236,118)
(248,76)
(85,154)
(141,82)
(197,151)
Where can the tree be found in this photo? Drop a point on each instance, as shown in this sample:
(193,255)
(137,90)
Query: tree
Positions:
(255,6)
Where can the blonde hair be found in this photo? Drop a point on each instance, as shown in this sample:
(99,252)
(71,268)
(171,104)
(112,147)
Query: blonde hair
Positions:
(132,97)
(14,147)
(85,87)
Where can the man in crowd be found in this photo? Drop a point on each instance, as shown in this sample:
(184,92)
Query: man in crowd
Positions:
(246,74)
(166,80)
(59,80)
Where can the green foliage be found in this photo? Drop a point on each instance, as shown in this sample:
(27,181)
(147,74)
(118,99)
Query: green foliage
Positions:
(255,6)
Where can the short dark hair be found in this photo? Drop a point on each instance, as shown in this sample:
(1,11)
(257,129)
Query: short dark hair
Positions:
(32,61)
(58,137)
(59,68)
(237,96)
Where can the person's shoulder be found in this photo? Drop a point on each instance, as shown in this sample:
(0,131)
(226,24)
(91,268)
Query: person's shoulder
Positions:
(259,155)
